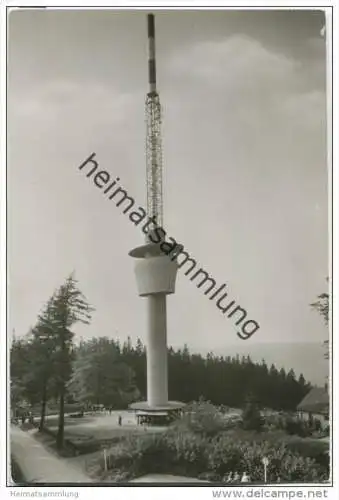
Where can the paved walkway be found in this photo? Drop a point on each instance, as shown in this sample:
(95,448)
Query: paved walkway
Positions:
(39,465)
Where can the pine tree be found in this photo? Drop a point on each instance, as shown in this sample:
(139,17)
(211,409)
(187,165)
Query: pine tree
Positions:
(68,306)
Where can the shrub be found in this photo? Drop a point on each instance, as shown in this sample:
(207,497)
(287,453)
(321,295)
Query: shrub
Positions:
(295,468)
(186,450)
(196,445)
(317,450)
(224,455)
(200,418)
(192,454)
(138,455)
(298,427)
(293,425)
(251,417)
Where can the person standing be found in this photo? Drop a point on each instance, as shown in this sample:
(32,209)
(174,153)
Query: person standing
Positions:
(245,478)
(236,477)
(120,420)
(229,477)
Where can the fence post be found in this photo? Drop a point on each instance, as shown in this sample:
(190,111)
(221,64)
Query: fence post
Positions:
(265,462)
(105,459)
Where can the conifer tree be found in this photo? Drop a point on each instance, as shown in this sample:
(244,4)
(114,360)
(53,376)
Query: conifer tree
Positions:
(68,306)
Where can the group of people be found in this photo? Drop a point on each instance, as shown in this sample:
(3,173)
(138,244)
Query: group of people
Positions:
(234,477)
(23,416)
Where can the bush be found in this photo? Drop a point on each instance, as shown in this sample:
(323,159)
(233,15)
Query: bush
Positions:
(135,456)
(224,455)
(192,454)
(196,445)
(186,452)
(317,450)
(251,417)
(293,425)
(201,418)
(298,427)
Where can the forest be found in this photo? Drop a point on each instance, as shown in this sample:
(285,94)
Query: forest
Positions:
(105,371)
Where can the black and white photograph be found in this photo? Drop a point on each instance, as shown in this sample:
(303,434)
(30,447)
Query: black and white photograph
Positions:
(169,233)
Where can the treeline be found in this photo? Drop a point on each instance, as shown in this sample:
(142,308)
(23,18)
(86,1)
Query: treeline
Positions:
(104,371)
(223,380)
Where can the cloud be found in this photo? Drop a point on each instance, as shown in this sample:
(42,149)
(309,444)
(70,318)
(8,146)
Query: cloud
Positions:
(236,63)
(241,66)
(256,86)
(67,115)
(62,97)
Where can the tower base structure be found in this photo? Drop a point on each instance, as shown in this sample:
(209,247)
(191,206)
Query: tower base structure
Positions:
(157,415)
(155,274)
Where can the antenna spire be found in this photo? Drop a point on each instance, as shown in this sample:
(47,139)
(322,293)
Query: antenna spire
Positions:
(151,53)
(153,134)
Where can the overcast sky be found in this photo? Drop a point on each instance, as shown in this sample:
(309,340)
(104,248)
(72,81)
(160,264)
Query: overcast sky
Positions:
(245,172)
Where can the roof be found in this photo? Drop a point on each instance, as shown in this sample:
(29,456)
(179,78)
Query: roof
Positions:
(146,414)
(315,401)
(144,406)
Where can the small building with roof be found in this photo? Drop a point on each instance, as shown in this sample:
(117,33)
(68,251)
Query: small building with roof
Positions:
(315,405)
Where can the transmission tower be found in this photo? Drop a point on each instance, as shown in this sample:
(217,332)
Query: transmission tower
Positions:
(155,271)
(153,135)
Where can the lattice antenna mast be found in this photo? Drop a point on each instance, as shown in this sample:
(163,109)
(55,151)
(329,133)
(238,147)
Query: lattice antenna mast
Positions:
(153,135)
